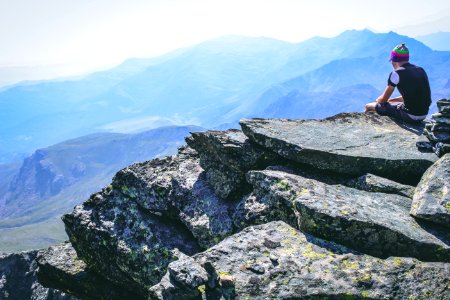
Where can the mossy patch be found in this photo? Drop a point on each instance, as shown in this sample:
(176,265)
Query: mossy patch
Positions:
(309,252)
(283,185)
(350,265)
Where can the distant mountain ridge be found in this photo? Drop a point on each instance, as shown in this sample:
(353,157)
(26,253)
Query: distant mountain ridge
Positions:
(436,41)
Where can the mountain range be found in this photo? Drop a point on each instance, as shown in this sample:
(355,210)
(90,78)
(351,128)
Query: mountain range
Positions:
(142,109)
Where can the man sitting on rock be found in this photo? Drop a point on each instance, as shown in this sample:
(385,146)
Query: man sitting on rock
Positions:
(412,83)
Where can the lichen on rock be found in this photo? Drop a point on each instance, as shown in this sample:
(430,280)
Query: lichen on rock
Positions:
(431,200)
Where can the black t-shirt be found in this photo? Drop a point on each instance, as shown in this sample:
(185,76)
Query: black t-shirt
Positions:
(412,83)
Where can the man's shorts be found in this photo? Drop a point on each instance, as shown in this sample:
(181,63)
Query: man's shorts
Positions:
(396,111)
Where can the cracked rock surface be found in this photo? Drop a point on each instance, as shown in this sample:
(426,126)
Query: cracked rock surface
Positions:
(348,143)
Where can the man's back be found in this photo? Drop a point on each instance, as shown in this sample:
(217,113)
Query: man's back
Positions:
(413,85)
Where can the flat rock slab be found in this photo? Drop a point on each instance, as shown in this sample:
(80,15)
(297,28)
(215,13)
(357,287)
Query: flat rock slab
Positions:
(227,156)
(349,143)
(60,268)
(378,224)
(275,261)
(432,196)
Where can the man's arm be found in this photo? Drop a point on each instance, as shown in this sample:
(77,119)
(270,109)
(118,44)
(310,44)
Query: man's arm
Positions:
(386,94)
(396,99)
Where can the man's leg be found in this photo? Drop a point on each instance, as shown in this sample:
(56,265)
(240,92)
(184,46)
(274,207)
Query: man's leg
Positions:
(370,107)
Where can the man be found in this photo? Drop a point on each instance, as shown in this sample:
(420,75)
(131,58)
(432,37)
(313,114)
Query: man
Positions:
(412,83)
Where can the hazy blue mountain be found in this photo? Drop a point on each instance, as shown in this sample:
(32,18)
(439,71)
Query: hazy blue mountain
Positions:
(213,83)
(53,180)
(436,41)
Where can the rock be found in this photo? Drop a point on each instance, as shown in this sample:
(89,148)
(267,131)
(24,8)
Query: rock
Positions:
(423,144)
(373,183)
(349,143)
(188,272)
(312,268)
(123,242)
(441,148)
(150,210)
(374,223)
(227,156)
(176,187)
(432,196)
(182,280)
(59,267)
(441,118)
(206,216)
(18,279)
(443,105)
(437,136)
(150,183)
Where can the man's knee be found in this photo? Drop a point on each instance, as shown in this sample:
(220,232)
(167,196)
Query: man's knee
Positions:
(370,106)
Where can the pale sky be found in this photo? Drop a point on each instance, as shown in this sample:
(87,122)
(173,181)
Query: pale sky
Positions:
(92,34)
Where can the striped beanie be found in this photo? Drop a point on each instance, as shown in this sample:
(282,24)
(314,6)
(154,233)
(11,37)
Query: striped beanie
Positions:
(400,53)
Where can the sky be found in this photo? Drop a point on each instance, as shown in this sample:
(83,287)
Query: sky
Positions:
(82,35)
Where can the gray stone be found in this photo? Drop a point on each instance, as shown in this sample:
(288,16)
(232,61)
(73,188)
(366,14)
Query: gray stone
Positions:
(187,272)
(423,144)
(374,223)
(123,242)
(18,279)
(206,216)
(227,156)
(441,118)
(176,187)
(308,268)
(441,148)
(149,183)
(60,268)
(373,183)
(182,280)
(437,136)
(443,104)
(432,196)
(347,143)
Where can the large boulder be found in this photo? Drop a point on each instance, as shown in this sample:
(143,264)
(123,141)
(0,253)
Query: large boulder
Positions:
(176,187)
(18,279)
(374,223)
(59,267)
(348,143)
(205,215)
(151,213)
(432,195)
(125,243)
(227,156)
(275,261)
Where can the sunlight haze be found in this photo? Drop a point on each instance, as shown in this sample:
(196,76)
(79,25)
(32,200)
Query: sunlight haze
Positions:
(62,37)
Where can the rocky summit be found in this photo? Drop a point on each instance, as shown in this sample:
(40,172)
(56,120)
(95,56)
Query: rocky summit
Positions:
(340,208)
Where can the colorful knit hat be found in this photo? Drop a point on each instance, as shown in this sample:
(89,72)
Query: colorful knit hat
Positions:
(400,53)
